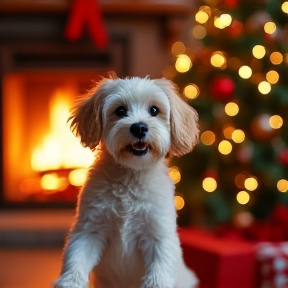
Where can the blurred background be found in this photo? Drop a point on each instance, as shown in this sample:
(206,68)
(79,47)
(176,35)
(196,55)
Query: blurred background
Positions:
(229,59)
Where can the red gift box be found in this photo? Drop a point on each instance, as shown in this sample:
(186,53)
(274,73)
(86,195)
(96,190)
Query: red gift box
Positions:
(219,263)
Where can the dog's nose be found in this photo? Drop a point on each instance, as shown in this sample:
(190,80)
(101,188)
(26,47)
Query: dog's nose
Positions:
(139,130)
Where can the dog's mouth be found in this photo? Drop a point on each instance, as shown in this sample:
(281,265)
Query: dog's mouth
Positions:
(139,148)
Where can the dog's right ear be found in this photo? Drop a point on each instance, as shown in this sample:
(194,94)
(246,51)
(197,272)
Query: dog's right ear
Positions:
(86,116)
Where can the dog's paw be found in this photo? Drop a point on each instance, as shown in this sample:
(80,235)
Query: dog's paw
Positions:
(70,281)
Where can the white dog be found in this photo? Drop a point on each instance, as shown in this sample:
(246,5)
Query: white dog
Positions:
(126,221)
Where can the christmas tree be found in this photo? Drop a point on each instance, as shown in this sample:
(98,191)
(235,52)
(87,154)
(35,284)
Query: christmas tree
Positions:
(232,66)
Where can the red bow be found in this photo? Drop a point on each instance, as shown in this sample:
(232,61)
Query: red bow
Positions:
(86,11)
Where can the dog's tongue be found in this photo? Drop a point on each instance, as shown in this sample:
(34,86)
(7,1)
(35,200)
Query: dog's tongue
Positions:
(139,146)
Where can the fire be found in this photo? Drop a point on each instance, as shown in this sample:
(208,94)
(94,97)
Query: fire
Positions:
(60,149)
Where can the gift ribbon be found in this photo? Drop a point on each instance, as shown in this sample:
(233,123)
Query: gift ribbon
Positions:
(86,12)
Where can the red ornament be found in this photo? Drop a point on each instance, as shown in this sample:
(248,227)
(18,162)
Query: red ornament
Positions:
(222,88)
(86,12)
(235,29)
(283,157)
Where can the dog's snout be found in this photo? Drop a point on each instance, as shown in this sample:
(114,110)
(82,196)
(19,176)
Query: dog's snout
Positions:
(139,130)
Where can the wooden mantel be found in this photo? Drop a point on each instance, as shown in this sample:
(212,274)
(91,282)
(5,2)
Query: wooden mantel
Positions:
(131,7)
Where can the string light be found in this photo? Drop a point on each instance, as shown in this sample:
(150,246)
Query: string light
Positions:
(199,32)
(225,147)
(270,27)
(209,184)
(175,174)
(259,51)
(178,48)
(231,109)
(272,77)
(282,185)
(276,121)
(245,72)
(206,9)
(179,202)
(183,63)
(191,91)
(227,131)
(251,184)
(243,197)
(218,59)
(276,58)
(284,7)
(226,19)
(77,177)
(201,17)
(240,180)
(208,138)
(264,87)
(238,136)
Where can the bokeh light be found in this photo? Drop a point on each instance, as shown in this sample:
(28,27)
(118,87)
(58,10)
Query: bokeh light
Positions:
(228,131)
(175,174)
(231,109)
(77,177)
(282,185)
(183,63)
(199,32)
(243,197)
(245,72)
(240,180)
(209,184)
(191,91)
(264,87)
(259,51)
(226,19)
(208,137)
(270,27)
(272,77)
(238,136)
(218,59)
(251,183)
(276,58)
(201,17)
(178,48)
(284,7)
(276,121)
(179,202)
(225,147)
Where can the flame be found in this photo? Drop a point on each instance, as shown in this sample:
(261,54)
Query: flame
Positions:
(60,148)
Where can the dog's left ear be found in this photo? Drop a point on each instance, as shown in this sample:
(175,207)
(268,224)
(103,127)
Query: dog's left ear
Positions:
(183,120)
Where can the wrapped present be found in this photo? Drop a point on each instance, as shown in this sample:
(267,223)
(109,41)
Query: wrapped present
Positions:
(272,261)
(219,263)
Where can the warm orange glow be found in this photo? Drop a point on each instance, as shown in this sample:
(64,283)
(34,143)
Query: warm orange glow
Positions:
(60,148)
(179,202)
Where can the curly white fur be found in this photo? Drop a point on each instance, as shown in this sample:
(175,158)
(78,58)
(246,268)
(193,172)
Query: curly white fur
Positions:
(125,229)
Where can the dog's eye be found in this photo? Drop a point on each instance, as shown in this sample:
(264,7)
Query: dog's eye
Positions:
(121,111)
(154,111)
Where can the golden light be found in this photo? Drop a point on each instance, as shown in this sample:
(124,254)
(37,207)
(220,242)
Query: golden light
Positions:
(175,174)
(183,63)
(272,77)
(270,27)
(178,48)
(276,121)
(259,51)
(179,202)
(209,184)
(240,180)
(282,185)
(245,72)
(208,138)
(284,7)
(228,131)
(60,148)
(218,23)
(206,9)
(49,181)
(231,109)
(264,87)
(276,58)
(201,17)
(77,177)
(251,183)
(226,19)
(191,91)
(199,32)
(238,136)
(225,147)
(218,59)
(243,197)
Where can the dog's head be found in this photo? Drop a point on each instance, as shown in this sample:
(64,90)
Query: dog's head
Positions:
(139,120)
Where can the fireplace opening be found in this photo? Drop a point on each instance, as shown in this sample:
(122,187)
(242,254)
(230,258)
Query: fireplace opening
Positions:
(44,163)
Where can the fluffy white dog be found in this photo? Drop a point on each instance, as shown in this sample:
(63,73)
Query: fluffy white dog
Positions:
(126,221)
